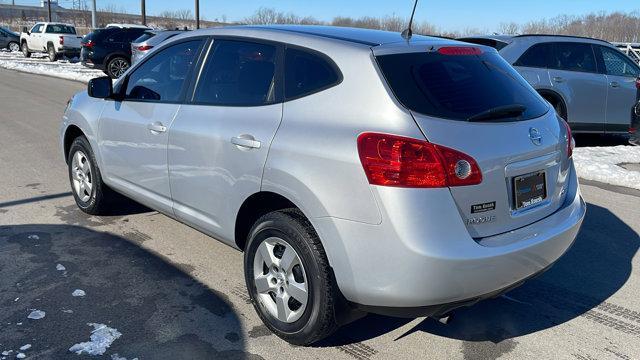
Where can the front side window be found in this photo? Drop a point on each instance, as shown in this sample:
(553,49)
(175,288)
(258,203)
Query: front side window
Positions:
(539,56)
(618,64)
(307,73)
(238,73)
(162,78)
(574,57)
(60,29)
(37,28)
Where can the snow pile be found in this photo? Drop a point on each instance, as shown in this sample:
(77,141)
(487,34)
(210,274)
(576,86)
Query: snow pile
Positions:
(25,347)
(40,65)
(36,314)
(602,164)
(102,337)
(78,292)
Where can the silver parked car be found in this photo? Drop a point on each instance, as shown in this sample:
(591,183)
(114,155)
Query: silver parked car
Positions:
(591,83)
(147,41)
(358,172)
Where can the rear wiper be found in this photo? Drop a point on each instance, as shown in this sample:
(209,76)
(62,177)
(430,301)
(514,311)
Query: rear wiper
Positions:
(499,112)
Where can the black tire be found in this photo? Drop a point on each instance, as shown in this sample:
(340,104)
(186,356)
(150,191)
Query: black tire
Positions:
(51,52)
(100,195)
(13,46)
(113,66)
(319,317)
(25,50)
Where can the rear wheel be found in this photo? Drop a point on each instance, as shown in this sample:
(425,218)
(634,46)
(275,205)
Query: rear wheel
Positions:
(117,66)
(13,46)
(51,51)
(289,278)
(91,194)
(25,50)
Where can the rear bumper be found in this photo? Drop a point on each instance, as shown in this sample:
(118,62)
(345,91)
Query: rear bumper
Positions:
(421,260)
(68,51)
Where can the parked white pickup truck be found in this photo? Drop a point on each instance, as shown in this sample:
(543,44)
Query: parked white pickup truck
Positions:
(55,39)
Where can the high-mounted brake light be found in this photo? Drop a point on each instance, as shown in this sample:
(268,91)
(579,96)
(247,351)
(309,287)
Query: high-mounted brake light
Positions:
(61,40)
(460,50)
(391,160)
(570,141)
(144,47)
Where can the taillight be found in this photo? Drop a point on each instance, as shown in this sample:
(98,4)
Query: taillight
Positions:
(89,44)
(144,47)
(391,160)
(460,50)
(570,142)
(61,41)
(638,83)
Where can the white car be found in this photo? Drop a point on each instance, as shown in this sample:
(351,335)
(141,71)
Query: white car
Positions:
(55,39)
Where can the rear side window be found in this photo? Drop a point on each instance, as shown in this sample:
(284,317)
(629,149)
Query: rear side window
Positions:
(307,73)
(238,73)
(617,63)
(60,29)
(539,55)
(458,87)
(574,57)
(162,77)
(144,37)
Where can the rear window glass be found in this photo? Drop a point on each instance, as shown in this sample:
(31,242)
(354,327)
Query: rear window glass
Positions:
(458,87)
(144,37)
(307,73)
(60,29)
(538,55)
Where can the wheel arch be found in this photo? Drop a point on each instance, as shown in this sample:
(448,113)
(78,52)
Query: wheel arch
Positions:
(71,133)
(554,98)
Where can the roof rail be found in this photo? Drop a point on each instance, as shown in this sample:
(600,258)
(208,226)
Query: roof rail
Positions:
(563,36)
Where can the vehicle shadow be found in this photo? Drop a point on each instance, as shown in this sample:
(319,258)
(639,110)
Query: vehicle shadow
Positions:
(596,267)
(159,308)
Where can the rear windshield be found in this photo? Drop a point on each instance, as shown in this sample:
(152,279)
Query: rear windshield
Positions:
(60,29)
(459,87)
(144,37)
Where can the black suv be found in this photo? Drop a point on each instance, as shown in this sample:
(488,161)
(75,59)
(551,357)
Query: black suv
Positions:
(109,49)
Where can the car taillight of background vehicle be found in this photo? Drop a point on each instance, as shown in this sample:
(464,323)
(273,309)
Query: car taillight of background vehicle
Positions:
(391,160)
(89,44)
(61,40)
(571,143)
(144,47)
(638,83)
(459,50)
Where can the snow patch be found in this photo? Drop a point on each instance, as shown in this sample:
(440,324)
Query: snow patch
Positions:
(37,64)
(67,311)
(21,356)
(602,164)
(60,267)
(33,237)
(118,357)
(25,347)
(102,337)
(36,314)
(7,352)
(78,292)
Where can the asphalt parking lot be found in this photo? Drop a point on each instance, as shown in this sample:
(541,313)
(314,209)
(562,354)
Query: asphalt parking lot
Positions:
(173,293)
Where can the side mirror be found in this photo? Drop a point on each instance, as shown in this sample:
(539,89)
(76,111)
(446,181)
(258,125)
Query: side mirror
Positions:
(25,30)
(101,88)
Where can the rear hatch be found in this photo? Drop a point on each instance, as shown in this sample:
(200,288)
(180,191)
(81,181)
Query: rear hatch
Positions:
(469,99)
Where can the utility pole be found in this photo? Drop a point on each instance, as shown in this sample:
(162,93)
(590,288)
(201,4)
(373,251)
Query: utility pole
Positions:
(197,14)
(93,14)
(143,9)
(49,5)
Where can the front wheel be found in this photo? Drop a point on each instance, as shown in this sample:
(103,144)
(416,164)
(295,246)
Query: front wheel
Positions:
(13,46)
(289,279)
(91,194)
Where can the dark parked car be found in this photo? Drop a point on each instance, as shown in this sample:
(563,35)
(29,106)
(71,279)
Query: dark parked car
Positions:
(9,39)
(109,49)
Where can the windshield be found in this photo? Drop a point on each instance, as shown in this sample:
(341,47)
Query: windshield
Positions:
(461,87)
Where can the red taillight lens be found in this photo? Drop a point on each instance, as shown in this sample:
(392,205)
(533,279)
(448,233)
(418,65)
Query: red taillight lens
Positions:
(61,40)
(144,47)
(638,83)
(89,44)
(391,160)
(460,50)
(570,142)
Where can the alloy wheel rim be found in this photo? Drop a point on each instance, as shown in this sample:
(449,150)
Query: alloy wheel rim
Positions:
(81,176)
(14,47)
(280,280)
(118,67)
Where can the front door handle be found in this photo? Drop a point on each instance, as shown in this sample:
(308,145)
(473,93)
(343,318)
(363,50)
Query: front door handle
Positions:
(246,141)
(156,128)
(614,84)
(558,79)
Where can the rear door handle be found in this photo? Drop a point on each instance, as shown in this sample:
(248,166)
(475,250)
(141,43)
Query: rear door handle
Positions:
(157,127)
(246,141)
(614,84)
(558,79)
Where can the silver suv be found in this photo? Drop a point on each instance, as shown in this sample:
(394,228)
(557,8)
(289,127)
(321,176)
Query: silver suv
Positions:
(591,83)
(358,172)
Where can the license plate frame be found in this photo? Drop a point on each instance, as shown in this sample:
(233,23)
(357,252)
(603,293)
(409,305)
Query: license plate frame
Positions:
(529,189)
